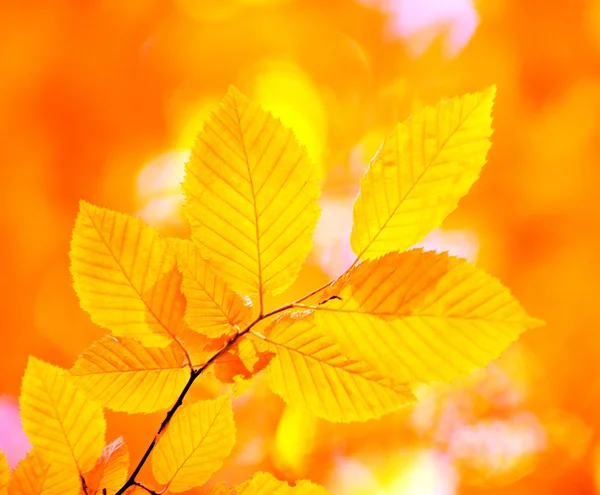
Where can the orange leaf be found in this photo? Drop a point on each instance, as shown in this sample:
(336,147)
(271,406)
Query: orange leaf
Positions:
(35,475)
(4,473)
(110,471)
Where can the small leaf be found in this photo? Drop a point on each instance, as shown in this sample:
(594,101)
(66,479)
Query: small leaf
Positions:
(4,473)
(59,420)
(311,372)
(126,276)
(420,172)
(422,316)
(199,437)
(246,357)
(213,309)
(110,471)
(263,483)
(123,375)
(35,475)
(251,195)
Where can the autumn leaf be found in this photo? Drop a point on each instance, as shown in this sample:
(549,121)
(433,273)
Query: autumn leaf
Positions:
(4,473)
(246,357)
(420,172)
(213,309)
(311,372)
(110,471)
(251,196)
(35,475)
(59,420)
(263,483)
(422,316)
(199,437)
(126,276)
(123,375)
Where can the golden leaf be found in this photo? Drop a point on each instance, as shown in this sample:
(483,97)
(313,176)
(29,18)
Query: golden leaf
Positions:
(422,316)
(110,471)
(263,483)
(4,473)
(246,357)
(199,437)
(123,375)
(251,197)
(35,475)
(126,276)
(420,173)
(59,420)
(213,309)
(311,372)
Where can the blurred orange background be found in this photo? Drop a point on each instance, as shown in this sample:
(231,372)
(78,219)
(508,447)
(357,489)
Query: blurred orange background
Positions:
(100,100)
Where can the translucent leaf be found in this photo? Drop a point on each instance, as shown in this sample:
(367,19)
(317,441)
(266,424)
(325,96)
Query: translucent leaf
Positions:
(110,471)
(59,419)
(422,316)
(420,172)
(246,357)
(35,475)
(4,473)
(123,375)
(263,483)
(311,372)
(213,309)
(126,276)
(198,439)
(251,197)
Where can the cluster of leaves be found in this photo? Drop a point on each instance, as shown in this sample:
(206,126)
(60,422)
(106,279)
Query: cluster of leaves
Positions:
(180,310)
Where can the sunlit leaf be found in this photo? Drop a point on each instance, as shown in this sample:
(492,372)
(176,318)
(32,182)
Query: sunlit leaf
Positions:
(199,437)
(247,357)
(311,372)
(251,197)
(422,316)
(110,471)
(263,483)
(419,174)
(35,475)
(213,309)
(59,419)
(4,473)
(126,276)
(123,375)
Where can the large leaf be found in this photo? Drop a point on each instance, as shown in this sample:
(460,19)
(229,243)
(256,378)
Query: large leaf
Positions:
(35,475)
(251,197)
(126,276)
(265,483)
(421,171)
(59,419)
(110,471)
(213,309)
(199,437)
(123,375)
(422,316)
(311,372)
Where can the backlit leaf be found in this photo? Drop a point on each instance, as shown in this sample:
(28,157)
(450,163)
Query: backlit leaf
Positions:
(311,372)
(247,357)
(265,483)
(212,308)
(59,419)
(126,276)
(35,475)
(420,172)
(422,316)
(199,437)
(110,471)
(251,197)
(4,473)
(123,375)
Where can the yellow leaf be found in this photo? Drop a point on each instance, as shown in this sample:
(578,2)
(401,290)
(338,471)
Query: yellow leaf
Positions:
(420,173)
(59,420)
(123,375)
(213,309)
(246,357)
(263,483)
(110,471)
(35,475)
(311,372)
(4,473)
(422,316)
(199,437)
(251,197)
(126,276)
